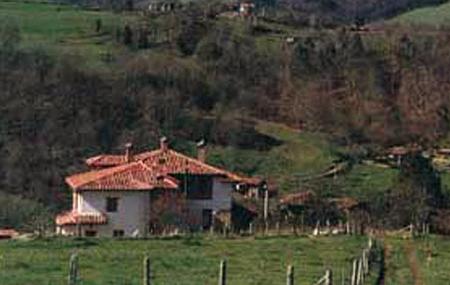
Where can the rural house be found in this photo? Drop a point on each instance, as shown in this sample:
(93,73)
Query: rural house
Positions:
(131,194)
(246,9)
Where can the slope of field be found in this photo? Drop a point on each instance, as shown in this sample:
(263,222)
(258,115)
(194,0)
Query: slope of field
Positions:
(420,261)
(366,182)
(304,154)
(301,153)
(435,16)
(177,261)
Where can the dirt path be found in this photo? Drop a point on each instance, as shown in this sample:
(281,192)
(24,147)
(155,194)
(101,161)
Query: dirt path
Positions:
(414,266)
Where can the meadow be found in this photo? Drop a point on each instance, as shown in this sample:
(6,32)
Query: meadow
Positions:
(65,29)
(178,261)
(306,154)
(419,261)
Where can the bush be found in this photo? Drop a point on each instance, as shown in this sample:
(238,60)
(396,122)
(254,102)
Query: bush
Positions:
(23,214)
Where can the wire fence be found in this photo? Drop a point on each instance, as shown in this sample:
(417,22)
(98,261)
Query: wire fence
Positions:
(363,267)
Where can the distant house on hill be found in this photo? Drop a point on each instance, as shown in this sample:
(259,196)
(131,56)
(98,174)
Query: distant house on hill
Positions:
(246,9)
(133,194)
(164,6)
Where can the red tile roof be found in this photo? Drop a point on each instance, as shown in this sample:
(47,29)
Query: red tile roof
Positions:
(8,233)
(345,203)
(172,162)
(108,160)
(132,176)
(161,162)
(75,218)
(299,198)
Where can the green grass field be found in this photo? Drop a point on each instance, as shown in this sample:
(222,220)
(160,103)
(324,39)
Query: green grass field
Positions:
(65,29)
(184,261)
(301,153)
(304,153)
(366,182)
(435,16)
(420,261)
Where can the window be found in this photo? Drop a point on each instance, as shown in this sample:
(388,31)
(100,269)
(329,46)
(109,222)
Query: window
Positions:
(112,204)
(199,187)
(90,233)
(118,233)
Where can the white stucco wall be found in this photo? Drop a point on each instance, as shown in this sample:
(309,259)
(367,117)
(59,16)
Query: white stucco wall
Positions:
(134,209)
(132,214)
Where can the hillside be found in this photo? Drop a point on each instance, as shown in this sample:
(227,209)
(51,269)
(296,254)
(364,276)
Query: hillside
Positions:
(436,17)
(351,11)
(65,29)
(76,83)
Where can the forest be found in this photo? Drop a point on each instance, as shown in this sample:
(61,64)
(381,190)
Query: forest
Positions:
(193,75)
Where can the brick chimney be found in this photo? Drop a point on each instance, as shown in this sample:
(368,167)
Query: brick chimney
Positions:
(201,150)
(128,152)
(164,144)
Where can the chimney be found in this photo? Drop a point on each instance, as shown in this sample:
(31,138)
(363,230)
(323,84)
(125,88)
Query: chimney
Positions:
(163,144)
(201,150)
(128,152)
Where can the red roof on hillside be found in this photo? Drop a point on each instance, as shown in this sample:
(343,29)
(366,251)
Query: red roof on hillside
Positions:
(298,198)
(132,176)
(145,171)
(172,162)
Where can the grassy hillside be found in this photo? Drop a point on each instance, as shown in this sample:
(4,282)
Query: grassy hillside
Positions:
(304,154)
(366,182)
(177,261)
(435,16)
(64,28)
(300,153)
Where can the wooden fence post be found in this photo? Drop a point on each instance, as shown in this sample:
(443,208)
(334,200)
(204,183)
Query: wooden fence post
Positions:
(290,275)
(329,277)
(147,272)
(359,275)
(366,255)
(223,273)
(266,211)
(354,271)
(73,270)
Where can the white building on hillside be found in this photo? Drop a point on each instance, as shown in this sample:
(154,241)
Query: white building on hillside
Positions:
(132,195)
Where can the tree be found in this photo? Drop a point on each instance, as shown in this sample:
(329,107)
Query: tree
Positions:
(129,5)
(98,25)
(168,211)
(192,31)
(127,35)
(143,39)
(416,193)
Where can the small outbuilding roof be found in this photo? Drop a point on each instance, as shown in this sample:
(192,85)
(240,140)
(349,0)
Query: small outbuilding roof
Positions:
(8,233)
(298,198)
